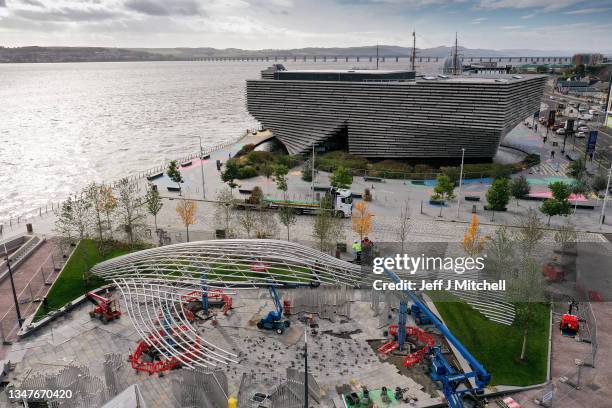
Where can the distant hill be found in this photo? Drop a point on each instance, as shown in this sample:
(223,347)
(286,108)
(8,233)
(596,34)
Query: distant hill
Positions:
(76,54)
(98,54)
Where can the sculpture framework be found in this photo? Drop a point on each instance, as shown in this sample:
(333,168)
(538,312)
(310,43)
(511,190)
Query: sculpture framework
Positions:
(155,282)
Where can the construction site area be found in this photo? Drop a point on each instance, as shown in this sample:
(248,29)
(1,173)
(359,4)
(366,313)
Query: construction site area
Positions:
(270,324)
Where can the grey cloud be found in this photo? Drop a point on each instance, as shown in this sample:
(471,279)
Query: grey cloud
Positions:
(67,14)
(2,3)
(35,3)
(164,8)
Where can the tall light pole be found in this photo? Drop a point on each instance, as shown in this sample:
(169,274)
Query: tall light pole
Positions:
(460,181)
(306,367)
(10,272)
(202,169)
(312,182)
(603,207)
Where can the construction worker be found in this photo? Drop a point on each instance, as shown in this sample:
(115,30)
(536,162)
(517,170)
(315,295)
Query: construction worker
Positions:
(357,250)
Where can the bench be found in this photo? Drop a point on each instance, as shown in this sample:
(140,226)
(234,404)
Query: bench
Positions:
(436,202)
(175,189)
(245,191)
(321,188)
(418,182)
(372,178)
(155,176)
(356,195)
(205,157)
(186,164)
(472,198)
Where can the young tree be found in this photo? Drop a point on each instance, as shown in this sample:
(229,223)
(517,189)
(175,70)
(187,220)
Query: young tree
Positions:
(92,195)
(599,183)
(579,187)
(186,209)
(248,219)
(403,225)
(326,227)
(130,210)
(108,203)
(559,203)
(266,225)
(267,170)
(519,187)
(307,171)
(340,178)
(565,235)
(443,190)
(154,204)
(174,174)
(287,217)
(473,243)
(280,178)
(500,252)
(230,174)
(529,232)
(362,220)
(498,195)
(526,289)
(256,197)
(511,257)
(576,169)
(225,209)
(73,218)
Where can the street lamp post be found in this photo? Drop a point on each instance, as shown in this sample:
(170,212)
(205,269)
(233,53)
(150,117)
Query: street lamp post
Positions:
(306,367)
(603,207)
(460,181)
(202,169)
(10,272)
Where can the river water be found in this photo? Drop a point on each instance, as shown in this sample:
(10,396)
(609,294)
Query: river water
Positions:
(64,125)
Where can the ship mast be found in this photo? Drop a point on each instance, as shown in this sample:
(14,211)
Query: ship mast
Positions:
(413,50)
(456,57)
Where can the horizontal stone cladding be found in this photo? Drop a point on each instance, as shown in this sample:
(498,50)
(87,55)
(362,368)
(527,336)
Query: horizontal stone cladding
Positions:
(423,119)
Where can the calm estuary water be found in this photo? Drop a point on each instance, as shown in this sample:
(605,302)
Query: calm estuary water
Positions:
(64,125)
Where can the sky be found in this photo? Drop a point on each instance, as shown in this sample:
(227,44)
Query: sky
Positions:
(576,25)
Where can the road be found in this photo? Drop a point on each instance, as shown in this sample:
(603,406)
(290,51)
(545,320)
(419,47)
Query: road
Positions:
(604,141)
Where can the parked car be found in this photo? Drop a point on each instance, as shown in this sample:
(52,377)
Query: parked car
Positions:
(581,123)
(561,131)
(583,128)
(580,135)
(556,126)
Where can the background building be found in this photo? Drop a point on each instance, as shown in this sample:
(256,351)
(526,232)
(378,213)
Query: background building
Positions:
(392,114)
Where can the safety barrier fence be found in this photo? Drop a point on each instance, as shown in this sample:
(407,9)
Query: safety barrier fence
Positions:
(571,387)
(29,296)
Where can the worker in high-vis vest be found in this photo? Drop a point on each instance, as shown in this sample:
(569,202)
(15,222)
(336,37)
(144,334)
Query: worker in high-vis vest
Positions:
(232,402)
(357,249)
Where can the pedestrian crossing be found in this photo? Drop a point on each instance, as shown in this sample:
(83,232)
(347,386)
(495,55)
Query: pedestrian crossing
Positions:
(551,169)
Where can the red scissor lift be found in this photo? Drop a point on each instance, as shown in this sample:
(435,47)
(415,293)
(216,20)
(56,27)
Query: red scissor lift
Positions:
(426,339)
(146,358)
(215,297)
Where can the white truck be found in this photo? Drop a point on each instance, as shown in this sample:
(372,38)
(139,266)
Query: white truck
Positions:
(341,200)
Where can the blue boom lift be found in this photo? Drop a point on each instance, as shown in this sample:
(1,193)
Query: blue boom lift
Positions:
(441,369)
(274,320)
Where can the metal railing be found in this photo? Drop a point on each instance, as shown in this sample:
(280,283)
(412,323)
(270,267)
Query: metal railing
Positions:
(30,296)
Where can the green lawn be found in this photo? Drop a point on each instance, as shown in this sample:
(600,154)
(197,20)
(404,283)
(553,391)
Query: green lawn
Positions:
(498,346)
(69,285)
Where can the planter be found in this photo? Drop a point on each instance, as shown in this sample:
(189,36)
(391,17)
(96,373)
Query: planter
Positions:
(486,207)
(437,202)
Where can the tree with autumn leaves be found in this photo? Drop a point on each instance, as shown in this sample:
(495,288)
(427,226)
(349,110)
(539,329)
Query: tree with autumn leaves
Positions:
(473,243)
(362,220)
(186,209)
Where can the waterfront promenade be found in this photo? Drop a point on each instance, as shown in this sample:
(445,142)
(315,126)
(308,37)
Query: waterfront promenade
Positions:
(390,197)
